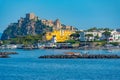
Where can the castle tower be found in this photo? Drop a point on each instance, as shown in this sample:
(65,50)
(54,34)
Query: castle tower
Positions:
(30,16)
(57,25)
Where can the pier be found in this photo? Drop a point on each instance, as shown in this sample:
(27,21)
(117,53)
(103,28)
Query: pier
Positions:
(83,56)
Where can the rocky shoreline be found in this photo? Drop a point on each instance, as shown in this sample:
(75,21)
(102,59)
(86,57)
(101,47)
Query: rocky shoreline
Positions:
(6,54)
(82,56)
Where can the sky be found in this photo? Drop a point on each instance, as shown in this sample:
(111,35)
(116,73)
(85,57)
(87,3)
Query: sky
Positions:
(82,14)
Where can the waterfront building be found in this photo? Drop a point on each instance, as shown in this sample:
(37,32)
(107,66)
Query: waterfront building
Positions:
(115,36)
(54,39)
(64,45)
(90,36)
(61,35)
(19,46)
(8,46)
(39,45)
(50,45)
(82,36)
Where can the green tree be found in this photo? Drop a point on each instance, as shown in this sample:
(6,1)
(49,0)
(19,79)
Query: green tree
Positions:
(97,37)
(88,36)
(75,36)
(92,29)
(107,35)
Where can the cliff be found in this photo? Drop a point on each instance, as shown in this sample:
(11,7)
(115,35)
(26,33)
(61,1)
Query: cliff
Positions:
(32,25)
(25,26)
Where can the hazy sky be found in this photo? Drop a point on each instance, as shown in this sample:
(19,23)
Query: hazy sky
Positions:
(82,14)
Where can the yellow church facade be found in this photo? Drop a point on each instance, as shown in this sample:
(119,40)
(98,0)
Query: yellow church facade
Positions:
(61,35)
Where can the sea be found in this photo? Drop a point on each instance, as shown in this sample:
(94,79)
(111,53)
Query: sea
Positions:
(27,66)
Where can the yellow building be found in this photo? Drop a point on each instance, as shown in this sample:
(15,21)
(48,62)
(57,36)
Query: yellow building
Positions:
(61,35)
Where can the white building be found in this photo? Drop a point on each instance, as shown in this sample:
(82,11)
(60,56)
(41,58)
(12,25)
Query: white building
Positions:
(9,46)
(83,36)
(54,39)
(95,33)
(115,36)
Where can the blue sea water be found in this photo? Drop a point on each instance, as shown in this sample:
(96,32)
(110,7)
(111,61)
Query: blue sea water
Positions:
(27,66)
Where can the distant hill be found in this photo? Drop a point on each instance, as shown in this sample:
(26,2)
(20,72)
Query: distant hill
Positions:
(32,25)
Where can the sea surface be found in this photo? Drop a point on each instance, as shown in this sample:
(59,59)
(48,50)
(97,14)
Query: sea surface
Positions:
(27,66)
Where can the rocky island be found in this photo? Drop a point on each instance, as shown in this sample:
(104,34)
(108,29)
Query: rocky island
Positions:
(32,25)
(6,54)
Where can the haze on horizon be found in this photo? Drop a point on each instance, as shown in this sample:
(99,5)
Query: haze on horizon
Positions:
(82,14)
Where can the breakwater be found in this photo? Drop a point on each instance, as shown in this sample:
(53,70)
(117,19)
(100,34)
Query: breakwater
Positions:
(83,56)
(6,54)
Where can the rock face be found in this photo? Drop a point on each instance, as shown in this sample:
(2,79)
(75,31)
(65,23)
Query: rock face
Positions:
(30,25)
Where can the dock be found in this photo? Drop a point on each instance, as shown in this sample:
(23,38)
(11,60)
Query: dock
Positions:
(82,56)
